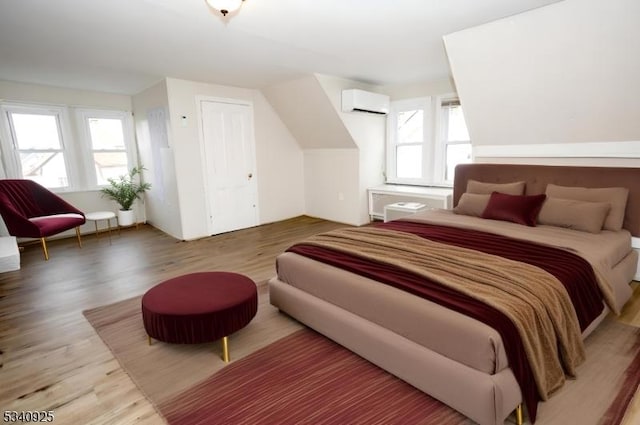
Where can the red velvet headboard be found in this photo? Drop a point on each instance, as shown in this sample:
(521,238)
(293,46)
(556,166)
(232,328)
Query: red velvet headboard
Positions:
(538,176)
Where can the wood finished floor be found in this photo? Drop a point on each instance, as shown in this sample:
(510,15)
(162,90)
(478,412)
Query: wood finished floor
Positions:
(52,359)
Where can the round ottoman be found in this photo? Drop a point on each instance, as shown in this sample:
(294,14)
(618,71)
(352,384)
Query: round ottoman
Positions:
(199,307)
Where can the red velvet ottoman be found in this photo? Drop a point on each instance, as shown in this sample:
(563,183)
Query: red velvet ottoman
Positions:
(199,307)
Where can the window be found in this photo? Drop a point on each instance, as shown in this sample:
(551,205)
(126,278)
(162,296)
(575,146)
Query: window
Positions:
(44,144)
(107,144)
(409,141)
(420,153)
(38,144)
(454,137)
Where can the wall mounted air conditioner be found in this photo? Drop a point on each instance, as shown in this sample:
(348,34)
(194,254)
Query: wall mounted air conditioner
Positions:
(364,101)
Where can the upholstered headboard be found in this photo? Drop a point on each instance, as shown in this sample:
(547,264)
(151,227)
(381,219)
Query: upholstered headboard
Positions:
(538,176)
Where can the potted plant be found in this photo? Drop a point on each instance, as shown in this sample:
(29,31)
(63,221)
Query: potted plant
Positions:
(125,190)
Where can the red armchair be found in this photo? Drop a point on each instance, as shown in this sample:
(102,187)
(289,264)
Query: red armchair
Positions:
(31,211)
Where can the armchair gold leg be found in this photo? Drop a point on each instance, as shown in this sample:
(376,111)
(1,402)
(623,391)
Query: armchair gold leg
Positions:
(44,249)
(519,415)
(78,235)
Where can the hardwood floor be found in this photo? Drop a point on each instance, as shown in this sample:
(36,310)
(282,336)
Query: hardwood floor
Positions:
(52,359)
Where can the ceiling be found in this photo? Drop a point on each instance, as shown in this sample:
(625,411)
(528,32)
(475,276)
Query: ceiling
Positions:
(125,46)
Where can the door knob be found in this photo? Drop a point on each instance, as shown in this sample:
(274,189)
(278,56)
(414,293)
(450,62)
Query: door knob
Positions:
(250,175)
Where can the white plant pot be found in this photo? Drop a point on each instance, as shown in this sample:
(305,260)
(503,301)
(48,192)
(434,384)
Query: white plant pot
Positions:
(126,218)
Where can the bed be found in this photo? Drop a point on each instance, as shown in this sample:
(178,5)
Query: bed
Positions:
(435,346)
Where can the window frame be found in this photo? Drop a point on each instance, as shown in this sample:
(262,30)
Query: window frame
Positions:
(396,107)
(83,115)
(442,141)
(11,152)
(435,142)
(75,140)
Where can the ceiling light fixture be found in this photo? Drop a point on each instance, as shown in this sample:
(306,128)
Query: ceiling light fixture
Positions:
(225,6)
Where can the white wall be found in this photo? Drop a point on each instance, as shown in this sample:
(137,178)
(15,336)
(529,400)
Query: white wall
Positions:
(280,165)
(278,158)
(331,184)
(605,154)
(563,73)
(33,93)
(428,88)
(368,132)
(349,145)
(343,152)
(311,108)
(21,92)
(156,155)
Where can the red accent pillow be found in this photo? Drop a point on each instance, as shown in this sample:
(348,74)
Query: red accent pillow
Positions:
(521,209)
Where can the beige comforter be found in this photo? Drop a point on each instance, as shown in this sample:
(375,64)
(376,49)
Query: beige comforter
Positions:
(542,313)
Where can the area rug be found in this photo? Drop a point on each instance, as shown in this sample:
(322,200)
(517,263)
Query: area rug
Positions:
(282,373)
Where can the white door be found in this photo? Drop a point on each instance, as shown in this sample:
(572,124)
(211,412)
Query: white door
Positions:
(231,191)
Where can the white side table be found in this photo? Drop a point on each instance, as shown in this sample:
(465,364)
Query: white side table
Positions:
(101,215)
(402,209)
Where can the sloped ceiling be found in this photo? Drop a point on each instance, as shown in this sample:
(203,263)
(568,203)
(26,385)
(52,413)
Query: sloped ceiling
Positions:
(307,112)
(565,73)
(126,46)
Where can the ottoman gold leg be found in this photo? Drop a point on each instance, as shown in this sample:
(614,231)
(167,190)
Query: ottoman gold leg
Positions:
(148,340)
(519,415)
(225,349)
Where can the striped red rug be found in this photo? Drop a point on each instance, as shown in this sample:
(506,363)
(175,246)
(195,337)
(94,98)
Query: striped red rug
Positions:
(305,378)
(300,377)
(630,385)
